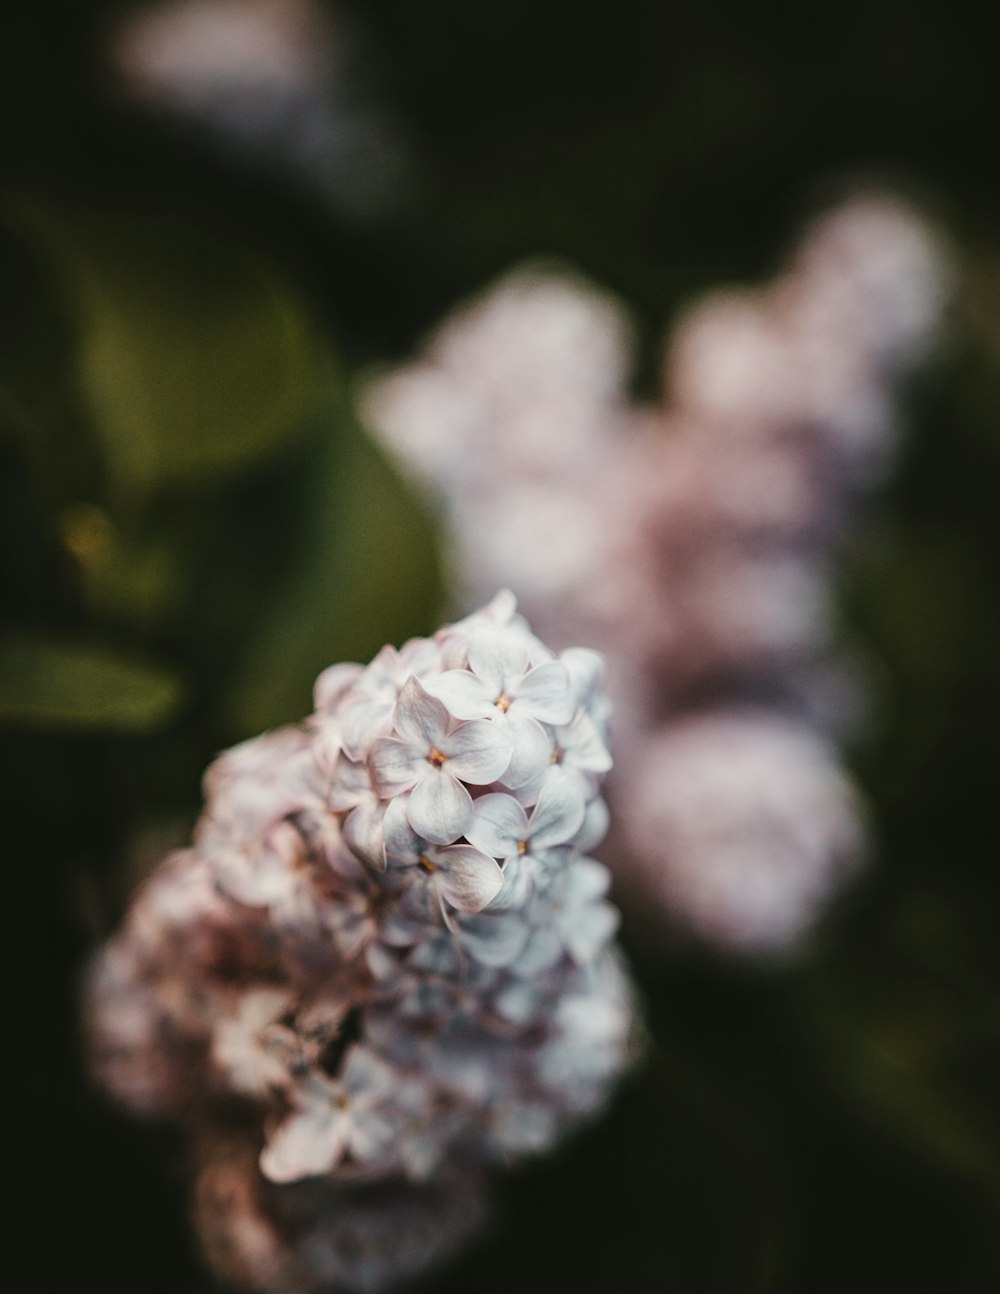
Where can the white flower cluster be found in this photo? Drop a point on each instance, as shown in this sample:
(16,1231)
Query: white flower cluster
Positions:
(387,951)
(692,542)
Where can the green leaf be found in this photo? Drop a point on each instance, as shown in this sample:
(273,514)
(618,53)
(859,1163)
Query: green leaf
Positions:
(195,359)
(55,685)
(364,572)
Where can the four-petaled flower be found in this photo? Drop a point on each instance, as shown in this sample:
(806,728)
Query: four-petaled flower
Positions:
(457,874)
(502,684)
(333,1118)
(433,757)
(502,828)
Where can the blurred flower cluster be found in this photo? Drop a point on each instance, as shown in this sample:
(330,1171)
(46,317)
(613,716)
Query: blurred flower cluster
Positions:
(693,543)
(384,964)
(278,82)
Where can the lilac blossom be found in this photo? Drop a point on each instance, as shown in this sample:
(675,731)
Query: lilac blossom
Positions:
(693,541)
(502,828)
(460,875)
(434,759)
(272,81)
(366,950)
(332,1118)
(501,683)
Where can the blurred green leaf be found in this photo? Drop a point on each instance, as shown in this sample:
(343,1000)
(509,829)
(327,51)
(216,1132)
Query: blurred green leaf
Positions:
(50,684)
(364,572)
(195,359)
(140,584)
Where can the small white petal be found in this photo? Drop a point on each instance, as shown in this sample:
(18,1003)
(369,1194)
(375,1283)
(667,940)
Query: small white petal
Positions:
(402,844)
(440,808)
(532,749)
(498,825)
(362,831)
(308,1142)
(583,745)
(546,693)
(351,784)
(517,886)
(363,722)
(559,813)
(395,766)
(463,694)
(478,752)
(419,718)
(499,659)
(468,879)
(333,683)
(596,821)
(585,670)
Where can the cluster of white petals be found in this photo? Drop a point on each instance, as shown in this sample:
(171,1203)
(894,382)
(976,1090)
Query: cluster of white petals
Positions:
(693,543)
(386,961)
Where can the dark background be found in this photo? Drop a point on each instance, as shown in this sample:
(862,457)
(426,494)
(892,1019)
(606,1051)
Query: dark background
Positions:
(187,537)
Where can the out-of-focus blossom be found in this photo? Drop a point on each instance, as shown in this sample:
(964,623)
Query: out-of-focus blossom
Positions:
(353,1024)
(276,81)
(742,823)
(694,544)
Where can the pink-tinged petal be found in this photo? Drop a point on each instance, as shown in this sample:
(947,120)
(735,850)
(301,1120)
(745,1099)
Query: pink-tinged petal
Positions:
(440,808)
(395,766)
(350,785)
(362,831)
(498,825)
(467,878)
(363,722)
(420,718)
(420,656)
(309,1142)
(463,694)
(500,609)
(559,813)
(589,930)
(402,844)
(493,941)
(532,749)
(478,751)
(382,671)
(499,659)
(327,745)
(545,692)
(333,683)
